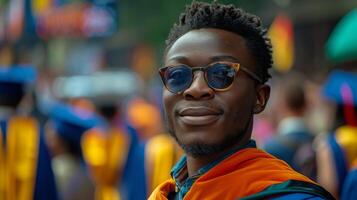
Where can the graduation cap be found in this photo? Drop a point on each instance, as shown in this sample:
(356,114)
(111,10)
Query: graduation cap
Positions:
(13,82)
(341,88)
(18,74)
(70,122)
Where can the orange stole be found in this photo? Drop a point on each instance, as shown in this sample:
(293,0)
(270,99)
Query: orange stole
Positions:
(244,173)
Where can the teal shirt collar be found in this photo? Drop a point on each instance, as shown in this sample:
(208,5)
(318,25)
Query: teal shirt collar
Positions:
(182,187)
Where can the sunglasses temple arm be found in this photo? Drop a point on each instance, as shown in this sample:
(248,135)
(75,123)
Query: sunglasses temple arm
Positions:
(251,74)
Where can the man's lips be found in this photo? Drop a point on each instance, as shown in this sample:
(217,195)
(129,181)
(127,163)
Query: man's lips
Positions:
(199,111)
(199,116)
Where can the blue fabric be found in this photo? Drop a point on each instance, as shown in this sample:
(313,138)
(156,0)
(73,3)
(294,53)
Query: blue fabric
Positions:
(11,89)
(133,182)
(337,79)
(339,160)
(18,74)
(284,147)
(3,127)
(75,116)
(71,123)
(297,196)
(349,190)
(45,187)
(14,78)
(279,150)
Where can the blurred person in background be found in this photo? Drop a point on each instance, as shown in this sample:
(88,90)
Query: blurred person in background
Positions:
(140,163)
(129,155)
(337,150)
(161,154)
(145,117)
(293,142)
(157,150)
(63,135)
(25,165)
(215,71)
(128,176)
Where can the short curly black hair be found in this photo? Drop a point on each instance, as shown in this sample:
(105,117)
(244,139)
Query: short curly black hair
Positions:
(227,17)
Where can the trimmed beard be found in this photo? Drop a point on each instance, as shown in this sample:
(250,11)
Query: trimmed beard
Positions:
(200,149)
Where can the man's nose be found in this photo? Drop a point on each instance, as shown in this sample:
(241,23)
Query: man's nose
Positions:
(199,89)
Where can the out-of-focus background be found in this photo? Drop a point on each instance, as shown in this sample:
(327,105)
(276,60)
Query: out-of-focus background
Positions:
(102,56)
(76,38)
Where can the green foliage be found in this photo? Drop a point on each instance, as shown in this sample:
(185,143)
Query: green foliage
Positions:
(3,3)
(152,20)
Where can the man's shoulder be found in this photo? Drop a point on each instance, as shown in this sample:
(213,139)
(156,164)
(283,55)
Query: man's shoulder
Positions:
(265,176)
(291,196)
(291,189)
(298,196)
(260,159)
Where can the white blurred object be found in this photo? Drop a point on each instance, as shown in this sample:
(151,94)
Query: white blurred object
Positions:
(114,83)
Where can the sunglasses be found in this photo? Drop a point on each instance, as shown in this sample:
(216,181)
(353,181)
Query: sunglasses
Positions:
(219,76)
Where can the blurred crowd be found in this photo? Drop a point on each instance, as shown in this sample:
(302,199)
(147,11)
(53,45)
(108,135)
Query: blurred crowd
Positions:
(98,133)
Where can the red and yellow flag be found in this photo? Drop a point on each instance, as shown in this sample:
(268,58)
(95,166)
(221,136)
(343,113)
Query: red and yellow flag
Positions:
(281,34)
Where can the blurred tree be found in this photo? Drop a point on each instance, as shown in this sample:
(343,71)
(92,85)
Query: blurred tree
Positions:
(150,21)
(2,3)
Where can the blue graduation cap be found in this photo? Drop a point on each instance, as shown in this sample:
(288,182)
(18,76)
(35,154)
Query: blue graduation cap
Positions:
(341,87)
(18,74)
(70,122)
(13,79)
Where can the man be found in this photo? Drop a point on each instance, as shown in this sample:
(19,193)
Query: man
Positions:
(293,142)
(215,69)
(337,150)
(126,174)
(25,165)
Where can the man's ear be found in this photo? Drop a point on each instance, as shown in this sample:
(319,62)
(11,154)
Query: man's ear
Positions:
(263,94)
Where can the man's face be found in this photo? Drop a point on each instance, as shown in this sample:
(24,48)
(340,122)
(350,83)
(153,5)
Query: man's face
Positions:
(202,120)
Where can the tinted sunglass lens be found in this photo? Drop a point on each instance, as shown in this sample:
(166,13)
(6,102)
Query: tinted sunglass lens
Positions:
(178,78)
(220,76)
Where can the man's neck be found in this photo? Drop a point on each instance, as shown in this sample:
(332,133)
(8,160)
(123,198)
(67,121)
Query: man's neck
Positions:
(194,164)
